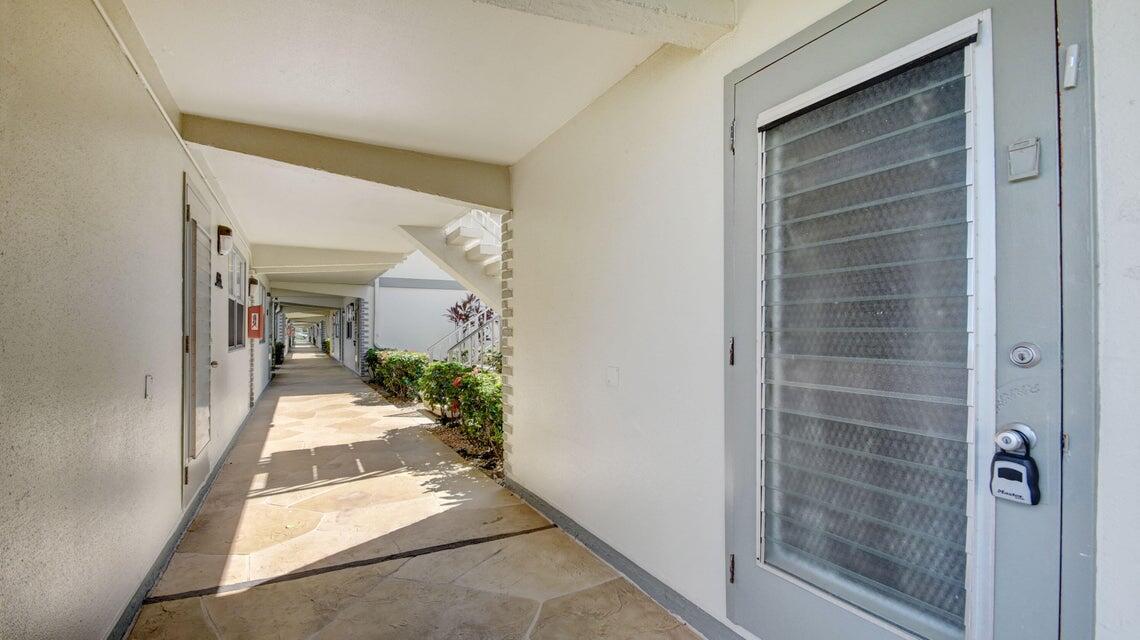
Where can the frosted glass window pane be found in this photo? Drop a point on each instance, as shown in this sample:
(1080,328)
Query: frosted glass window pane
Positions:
(865,346)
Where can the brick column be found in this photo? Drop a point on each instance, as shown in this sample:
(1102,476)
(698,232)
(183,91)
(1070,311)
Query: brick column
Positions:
(506,343)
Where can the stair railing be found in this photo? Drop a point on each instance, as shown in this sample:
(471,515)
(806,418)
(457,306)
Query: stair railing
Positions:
(441,349)
(473,348)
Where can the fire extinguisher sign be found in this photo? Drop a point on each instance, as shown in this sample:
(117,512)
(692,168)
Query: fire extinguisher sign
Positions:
(253,323)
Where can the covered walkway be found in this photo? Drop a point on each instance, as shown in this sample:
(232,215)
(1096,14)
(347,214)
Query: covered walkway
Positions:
(338,515)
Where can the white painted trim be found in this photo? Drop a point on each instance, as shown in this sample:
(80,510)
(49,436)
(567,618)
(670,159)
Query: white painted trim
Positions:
(165,116)
(982,322)
(981,535)
(943,38)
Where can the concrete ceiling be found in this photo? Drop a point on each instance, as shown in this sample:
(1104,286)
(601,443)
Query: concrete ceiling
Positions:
(282,204)
(451,77)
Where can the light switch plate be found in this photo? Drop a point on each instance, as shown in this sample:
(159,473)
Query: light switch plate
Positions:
(613,377)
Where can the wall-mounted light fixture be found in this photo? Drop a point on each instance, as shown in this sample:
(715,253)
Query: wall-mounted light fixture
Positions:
(225,240)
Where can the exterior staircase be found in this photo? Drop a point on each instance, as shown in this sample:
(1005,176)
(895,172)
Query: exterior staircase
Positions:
(470,342)
(469,249)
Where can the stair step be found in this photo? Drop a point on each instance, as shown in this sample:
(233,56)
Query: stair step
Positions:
(462,235)
(493,266)
(481,252)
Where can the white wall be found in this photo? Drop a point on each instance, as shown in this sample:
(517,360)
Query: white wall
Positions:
(90,251)
(623,209)
(1117,86)
(417,265)
(635,245)
(412,318)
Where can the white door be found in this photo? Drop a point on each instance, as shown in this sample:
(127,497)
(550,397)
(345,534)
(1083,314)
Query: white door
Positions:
(197,292)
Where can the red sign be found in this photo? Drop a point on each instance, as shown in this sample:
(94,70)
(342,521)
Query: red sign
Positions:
(253,322)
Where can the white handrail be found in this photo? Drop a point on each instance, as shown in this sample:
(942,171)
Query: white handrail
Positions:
(474,347)
(439,350)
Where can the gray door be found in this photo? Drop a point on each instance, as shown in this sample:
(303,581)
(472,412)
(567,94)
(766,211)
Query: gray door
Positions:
(892,233)
(197,293)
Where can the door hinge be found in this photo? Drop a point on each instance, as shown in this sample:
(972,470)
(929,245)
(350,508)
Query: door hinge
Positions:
(186,344)
(732,568)
(732,351)
(185,475)
(732,137)
(1064,443)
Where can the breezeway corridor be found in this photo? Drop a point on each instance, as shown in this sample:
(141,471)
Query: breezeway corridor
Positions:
(338,515)
(751,319)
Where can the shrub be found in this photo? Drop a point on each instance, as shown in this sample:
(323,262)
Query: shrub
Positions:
(481,407)
(371,358)
(326,346)
(399,372)
(493,359)
(279,353)
(437,385)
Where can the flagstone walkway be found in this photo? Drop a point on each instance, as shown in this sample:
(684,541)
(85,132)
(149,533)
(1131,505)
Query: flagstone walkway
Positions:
(338,515)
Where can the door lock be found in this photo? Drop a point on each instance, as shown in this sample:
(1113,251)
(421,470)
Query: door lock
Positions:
(1013,473)
(1025,354)
(1016,438)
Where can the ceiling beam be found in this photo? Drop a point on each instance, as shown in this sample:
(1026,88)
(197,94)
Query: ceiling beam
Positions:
(304,315)
(467,181)
(325,289)
(280,263)
(276,258)
(693,24)
(310,302)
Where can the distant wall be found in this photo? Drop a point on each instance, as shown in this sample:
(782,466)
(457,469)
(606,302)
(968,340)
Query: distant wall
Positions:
(413,318)
(410,300)
(91,254)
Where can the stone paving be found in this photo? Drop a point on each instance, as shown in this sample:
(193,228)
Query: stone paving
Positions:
(338,515)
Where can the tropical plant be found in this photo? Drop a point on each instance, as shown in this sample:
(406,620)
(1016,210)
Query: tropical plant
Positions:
(279,353)
(464,310)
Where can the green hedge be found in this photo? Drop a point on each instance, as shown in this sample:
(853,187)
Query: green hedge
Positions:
(438,385)
(481,407)
(494,360)
(371,359)
(475,394)
(399,372)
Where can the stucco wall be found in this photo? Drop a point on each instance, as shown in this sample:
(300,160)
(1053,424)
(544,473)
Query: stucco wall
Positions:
(1116,50)
(413,318)
(635,244)
(622,208)
(91,275)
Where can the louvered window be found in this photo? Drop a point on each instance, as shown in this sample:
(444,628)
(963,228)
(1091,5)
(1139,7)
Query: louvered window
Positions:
(237,292)
(867,337)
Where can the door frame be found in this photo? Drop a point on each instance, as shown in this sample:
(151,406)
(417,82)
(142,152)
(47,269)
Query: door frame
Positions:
(1078,311)
(193,469)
